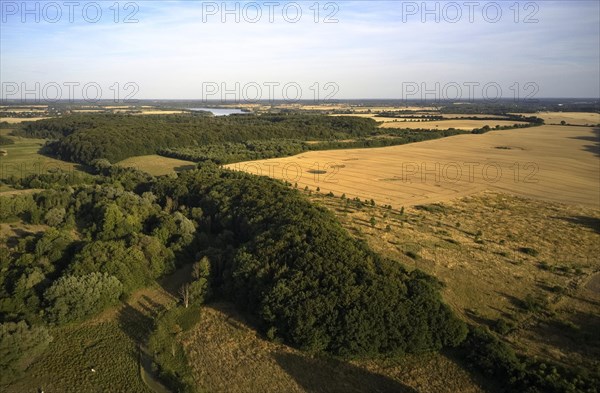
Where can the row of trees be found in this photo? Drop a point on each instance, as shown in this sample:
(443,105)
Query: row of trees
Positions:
(227,153)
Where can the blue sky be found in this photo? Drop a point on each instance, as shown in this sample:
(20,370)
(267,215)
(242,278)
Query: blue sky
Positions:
(373,51)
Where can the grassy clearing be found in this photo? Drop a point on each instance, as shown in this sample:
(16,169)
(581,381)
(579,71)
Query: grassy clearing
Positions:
(108,343)
(157,165)
(66,364)
(23,159)
(226,355)
(501,257)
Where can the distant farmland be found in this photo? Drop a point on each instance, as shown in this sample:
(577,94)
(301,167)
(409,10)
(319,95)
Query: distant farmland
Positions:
(556,163)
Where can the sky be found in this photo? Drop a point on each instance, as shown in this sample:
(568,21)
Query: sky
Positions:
(286,50)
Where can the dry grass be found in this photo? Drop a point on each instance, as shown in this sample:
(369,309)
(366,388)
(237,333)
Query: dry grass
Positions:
(572,118)
(157,165)
(17,120)
(228,356)
(475,246)
(552,163)
(460,124)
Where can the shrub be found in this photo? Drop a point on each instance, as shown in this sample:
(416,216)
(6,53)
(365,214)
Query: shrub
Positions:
(529,251)
(73,298)
(503,327)
(6,141)
(534,304)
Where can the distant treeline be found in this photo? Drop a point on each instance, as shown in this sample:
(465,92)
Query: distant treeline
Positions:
(84,138)
(432,117)
(5,141)
(227,153)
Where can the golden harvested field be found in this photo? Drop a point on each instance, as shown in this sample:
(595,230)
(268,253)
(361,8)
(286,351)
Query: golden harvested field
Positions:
(466,125)
(572,118)
(157,165)
(463,115)
(556,163)
(376,118)
(16,120)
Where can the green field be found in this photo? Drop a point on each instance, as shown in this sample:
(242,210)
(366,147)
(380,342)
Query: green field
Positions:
(157,165)
(23,159)
(66,365)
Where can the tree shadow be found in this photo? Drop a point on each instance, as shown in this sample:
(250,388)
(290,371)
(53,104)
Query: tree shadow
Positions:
(514,301)
(576,334)
(172,282)
(185,168)
(479,319)
(137,325)
(595,147)
(331,375)
(585,221)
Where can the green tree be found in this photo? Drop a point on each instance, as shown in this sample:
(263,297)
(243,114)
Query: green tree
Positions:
(73,298)
(55,216)
(200,285)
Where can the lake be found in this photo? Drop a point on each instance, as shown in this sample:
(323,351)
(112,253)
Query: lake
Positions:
(221,111)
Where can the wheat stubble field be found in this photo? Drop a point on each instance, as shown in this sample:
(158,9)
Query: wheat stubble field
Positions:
(554,163)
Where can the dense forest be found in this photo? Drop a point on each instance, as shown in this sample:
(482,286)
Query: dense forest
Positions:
(287,263)
(84,138)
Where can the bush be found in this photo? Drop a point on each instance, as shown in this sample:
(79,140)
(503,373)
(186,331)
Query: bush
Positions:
(6,141)
(503,327)
(170,358)
(73,298)
(529,251)
(534,304)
